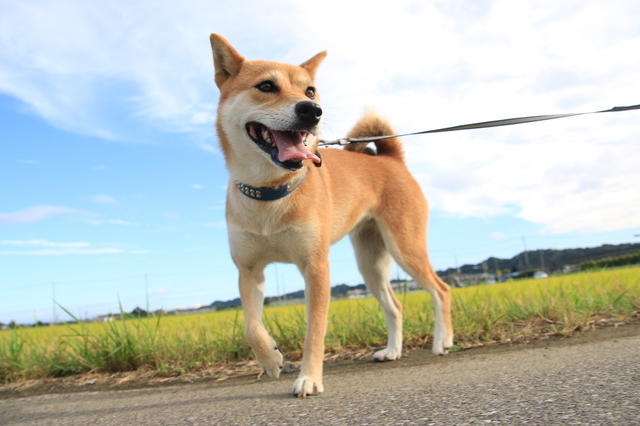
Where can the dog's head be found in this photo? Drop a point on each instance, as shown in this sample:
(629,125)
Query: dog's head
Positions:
(268,111)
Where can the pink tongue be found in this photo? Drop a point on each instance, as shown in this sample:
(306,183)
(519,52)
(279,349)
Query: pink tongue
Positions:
(291,146)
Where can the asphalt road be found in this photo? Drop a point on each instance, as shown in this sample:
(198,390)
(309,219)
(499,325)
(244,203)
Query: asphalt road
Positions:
(576,381)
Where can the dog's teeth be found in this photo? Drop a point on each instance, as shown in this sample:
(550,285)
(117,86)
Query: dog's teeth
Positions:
(266,136)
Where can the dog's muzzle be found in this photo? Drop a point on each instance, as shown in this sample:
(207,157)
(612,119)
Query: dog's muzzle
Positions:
(287,147)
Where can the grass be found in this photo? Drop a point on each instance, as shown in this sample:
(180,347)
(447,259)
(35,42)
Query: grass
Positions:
(175,345)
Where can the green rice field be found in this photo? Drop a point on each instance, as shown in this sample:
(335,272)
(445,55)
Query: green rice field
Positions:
(516,311)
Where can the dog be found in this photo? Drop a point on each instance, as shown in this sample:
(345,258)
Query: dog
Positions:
(288,201)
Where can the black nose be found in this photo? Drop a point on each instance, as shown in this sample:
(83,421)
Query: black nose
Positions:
(308,112)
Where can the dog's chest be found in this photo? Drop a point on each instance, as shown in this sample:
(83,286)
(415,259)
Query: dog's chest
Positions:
(265,218)
(288,245)
(266,231)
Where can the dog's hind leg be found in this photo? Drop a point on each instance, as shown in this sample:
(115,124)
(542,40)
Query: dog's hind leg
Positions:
(374,263)
(414,260)
(422,272)
(264,347)
(407,242)
(441,295)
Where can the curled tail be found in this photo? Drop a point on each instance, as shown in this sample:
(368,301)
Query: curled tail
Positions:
(372,124)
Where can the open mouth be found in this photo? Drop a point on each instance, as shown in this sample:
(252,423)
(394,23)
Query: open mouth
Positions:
(287,148)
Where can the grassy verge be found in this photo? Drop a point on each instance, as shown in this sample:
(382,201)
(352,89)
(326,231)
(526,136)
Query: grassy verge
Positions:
(169,346)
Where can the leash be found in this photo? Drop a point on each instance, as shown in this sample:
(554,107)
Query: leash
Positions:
(495,123)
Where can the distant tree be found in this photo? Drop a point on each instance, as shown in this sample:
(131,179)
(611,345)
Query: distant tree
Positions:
(139,312)
(629,259)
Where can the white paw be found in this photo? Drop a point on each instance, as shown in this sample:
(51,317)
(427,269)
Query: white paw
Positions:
(388,354)
(441,342)
(306,385)
(439,349)
(271,362)
(448,343)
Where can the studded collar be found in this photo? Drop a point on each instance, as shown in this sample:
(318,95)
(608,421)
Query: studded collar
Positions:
(269,194)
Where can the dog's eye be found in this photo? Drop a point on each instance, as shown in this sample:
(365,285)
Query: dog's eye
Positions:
(267,87)
(310,92)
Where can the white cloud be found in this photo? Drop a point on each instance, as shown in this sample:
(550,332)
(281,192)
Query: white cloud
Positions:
(423,64)
(36,213)
(104,199)
(60,252)
(111,222)
(579,184)
(197,186)
(49,248)
(90,68)
(42,243)
(203,117)
(206,147)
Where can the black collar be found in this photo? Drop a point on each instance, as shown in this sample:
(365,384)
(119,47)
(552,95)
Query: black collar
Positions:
(269,194)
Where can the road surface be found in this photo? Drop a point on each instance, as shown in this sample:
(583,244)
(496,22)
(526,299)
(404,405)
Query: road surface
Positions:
(586,381)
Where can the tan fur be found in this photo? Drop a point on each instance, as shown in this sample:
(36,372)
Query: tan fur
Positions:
(372,198)
(372,125)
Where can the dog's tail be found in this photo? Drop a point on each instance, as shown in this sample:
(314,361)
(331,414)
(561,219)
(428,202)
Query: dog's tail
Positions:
(371,124)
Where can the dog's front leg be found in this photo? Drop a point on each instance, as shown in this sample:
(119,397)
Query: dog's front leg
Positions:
(318,295)
(264,347)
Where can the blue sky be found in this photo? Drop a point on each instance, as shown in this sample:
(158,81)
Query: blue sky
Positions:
(112,186)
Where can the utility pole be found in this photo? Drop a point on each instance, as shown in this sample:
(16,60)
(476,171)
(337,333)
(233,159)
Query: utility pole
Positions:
(53,298)
(526,255)
(146,292)
(277,281)
(283,280)
(541,260)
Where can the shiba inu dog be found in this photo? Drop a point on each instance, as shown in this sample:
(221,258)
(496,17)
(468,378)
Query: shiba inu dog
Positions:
(288,201)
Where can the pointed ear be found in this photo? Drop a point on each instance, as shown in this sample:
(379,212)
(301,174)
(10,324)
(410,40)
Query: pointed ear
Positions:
(312,64)
(226,61)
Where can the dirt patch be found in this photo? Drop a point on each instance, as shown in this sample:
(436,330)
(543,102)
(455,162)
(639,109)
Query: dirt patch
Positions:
(248,371)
